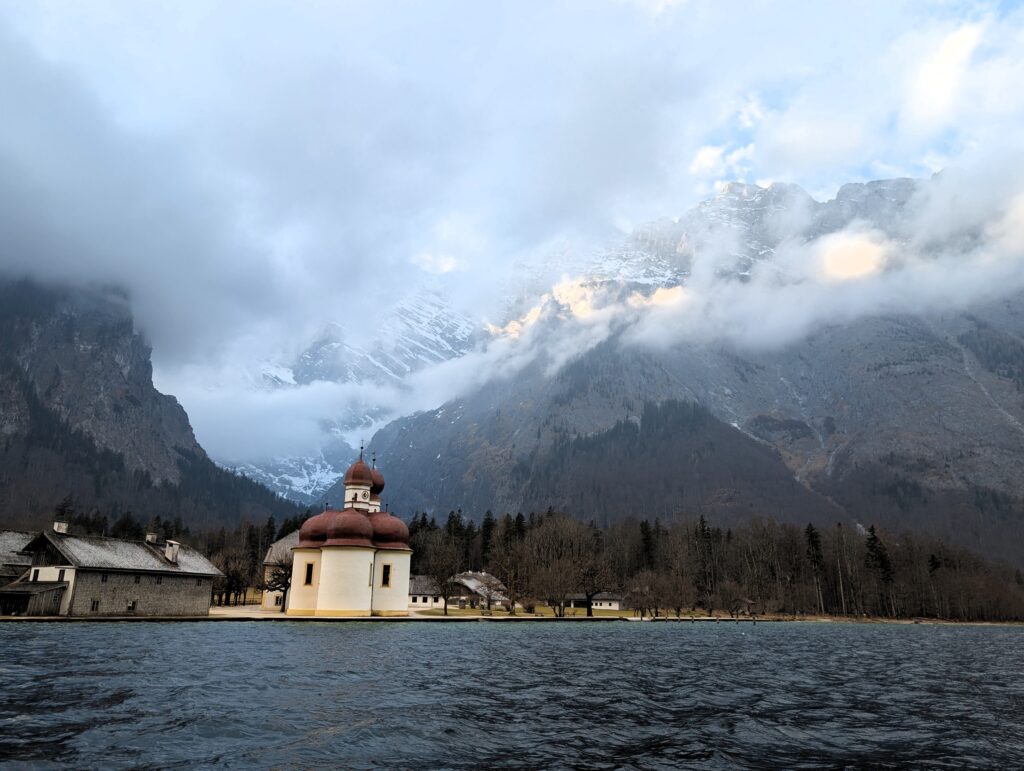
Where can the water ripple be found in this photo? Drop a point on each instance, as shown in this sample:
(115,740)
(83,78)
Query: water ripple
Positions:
(460,696)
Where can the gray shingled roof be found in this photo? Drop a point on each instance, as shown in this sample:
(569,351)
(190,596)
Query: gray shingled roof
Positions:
(281,549)
(422,585)
(12,542)
(13,564)
(474,582)
(33,587)
(598,596)
(115,554)
(483,584)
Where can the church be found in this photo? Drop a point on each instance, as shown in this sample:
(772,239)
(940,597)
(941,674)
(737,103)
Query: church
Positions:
(352,561)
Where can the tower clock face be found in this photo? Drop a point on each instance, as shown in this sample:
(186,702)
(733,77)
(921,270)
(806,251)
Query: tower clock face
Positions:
(365,495)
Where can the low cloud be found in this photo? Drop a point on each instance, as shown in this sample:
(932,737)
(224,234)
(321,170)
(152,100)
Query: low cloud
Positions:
(835,278)
(305,165)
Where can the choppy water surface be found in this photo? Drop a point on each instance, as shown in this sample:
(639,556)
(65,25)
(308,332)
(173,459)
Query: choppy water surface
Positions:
(524,695)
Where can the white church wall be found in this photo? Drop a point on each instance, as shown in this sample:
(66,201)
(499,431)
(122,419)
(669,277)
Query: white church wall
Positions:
(303,596)
(345,583)
(393,599)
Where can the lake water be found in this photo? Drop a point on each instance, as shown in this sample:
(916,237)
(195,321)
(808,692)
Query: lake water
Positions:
(522,695)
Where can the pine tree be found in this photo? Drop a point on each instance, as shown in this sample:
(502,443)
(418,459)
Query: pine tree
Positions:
(65,510)
(877,561)
(486,536)
(817,560)
(647,536)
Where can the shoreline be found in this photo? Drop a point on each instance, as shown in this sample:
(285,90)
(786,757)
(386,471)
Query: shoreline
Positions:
(244,614)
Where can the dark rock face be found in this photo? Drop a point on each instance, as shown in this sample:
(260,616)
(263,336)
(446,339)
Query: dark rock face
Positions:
(84,360)
(79,415)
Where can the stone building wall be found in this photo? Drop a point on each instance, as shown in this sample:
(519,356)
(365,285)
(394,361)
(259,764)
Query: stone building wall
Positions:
(155,594)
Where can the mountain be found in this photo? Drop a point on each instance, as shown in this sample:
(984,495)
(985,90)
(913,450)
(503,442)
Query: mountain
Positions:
(899,420)
(80,416)
(304,479)
(418,330)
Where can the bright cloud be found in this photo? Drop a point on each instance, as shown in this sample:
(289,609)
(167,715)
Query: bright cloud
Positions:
(937,83)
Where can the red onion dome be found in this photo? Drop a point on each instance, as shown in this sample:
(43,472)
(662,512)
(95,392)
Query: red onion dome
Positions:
(359,474)
(313,532)
(349,528)
(377,484)
(389,532)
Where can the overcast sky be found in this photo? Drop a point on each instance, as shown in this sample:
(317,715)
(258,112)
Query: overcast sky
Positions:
(250,171)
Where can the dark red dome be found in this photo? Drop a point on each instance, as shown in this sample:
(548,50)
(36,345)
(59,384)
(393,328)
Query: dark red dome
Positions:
(359,474)
(377,485)
(313,532)
(389,532)
(349,528)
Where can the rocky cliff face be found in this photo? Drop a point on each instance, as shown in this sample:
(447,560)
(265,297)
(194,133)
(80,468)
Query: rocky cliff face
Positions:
(79,415)
(84,360)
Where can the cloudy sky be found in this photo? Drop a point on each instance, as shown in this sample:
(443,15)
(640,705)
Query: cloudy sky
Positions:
(251,171)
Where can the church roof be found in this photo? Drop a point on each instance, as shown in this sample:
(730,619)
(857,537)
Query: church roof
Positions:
(359,473)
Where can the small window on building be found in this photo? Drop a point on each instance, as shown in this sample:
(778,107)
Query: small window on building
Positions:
(35,575)
(94,606)
(132,605)
(309,574)
(277,600)
(138,579)
(385,576)
(370,583)
(60,574)
(426,599)
(414,599)
(159,579)
(103,578)
(437,598)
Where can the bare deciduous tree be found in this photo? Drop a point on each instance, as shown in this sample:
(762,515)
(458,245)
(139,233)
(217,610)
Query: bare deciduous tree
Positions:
(279,577)
(442,561)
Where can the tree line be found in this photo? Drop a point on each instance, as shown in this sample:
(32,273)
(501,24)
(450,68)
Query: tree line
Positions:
(761,566)
(688,565)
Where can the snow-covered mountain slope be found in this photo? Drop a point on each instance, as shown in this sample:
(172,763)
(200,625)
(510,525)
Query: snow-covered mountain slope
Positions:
(419,330)
(303,479)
